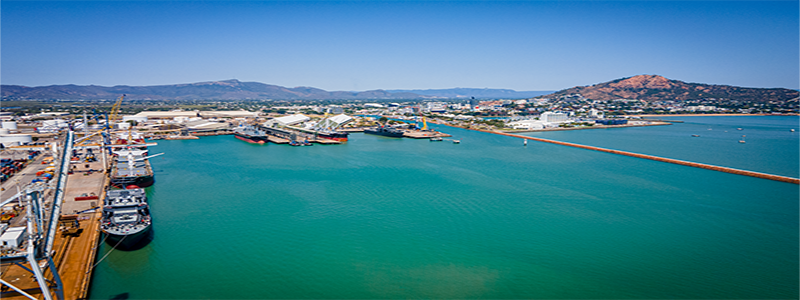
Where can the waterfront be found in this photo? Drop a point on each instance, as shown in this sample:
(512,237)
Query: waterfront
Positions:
(400,218)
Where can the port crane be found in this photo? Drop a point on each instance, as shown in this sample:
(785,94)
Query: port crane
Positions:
(109,119)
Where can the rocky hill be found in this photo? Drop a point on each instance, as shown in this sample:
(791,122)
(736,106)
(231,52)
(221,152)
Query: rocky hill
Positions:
(658,88)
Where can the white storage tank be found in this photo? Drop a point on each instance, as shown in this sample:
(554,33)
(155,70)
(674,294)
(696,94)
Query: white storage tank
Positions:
(10,125)
(15,139)
(138,119)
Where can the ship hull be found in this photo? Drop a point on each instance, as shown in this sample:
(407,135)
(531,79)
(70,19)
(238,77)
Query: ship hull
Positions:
(338,136)
(383,132)
(139,181)
(128,241)
(251,139)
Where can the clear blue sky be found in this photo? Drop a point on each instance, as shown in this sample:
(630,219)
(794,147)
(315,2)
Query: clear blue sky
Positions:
(365,45)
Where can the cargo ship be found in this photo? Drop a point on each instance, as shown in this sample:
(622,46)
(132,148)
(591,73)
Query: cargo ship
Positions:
(129,138)
(250,134)
(131,168)
(333,135)
(126,218)
(385,131)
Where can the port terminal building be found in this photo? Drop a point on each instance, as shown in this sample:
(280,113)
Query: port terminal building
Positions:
(149,115)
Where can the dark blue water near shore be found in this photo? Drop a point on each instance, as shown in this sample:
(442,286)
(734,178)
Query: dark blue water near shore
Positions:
(487,218)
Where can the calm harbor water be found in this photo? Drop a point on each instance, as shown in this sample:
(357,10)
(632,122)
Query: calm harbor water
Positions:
(488,218)
(770,145)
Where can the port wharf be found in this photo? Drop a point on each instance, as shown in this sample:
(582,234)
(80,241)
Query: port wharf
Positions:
(656,158)
(84,194)
(76,244)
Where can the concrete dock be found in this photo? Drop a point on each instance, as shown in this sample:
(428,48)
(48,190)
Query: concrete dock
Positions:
(324,141)
(74,254)
(84,192)
(277,140)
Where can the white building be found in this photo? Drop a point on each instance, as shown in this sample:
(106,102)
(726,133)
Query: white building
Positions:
(334,109)
(138,119)
(203,125)
(229,114)
(526,124)
(146,115)
(701,108)
(13,237)
(436,106)
(288,120)
(553,117)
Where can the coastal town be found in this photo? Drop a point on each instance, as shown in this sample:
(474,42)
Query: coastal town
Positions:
(533,114)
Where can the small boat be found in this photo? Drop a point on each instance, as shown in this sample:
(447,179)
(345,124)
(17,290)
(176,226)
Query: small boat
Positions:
(456,141)
(695,135)
(436,139)
(738,129)
(792,130)
(742,140)
(300,143)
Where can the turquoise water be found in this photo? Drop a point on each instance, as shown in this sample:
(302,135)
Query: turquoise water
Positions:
(769,147)
(401,218)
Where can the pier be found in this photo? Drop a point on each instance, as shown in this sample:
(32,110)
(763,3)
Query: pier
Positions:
(658,158)
(277,140)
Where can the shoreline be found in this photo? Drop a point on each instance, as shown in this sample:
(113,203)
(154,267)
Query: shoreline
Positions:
(713,115)
(654,123)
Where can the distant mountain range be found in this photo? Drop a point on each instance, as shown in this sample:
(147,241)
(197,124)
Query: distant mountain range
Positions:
(658,88)
(642,87)
(236,90)
(457,93)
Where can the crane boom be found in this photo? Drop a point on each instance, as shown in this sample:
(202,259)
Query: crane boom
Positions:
(115,110)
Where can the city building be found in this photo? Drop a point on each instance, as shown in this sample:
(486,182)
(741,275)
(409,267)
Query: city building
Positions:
(553,117)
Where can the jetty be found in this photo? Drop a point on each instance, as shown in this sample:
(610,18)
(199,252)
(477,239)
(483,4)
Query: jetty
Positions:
(324,141)
(657,158)
(277,140)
